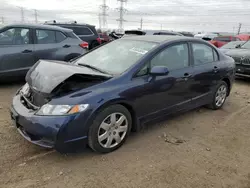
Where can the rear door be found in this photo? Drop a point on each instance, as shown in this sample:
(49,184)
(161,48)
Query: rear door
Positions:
(48,45)
(206,72)
(16,51)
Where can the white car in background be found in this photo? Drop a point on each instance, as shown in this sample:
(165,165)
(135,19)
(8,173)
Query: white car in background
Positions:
(206,35)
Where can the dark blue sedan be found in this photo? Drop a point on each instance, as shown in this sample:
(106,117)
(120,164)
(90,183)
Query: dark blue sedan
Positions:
(99,98)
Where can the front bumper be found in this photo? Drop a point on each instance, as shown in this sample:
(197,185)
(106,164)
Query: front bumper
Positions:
(47,131)
(242,70)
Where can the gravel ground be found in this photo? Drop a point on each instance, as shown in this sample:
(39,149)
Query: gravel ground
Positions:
(213,152)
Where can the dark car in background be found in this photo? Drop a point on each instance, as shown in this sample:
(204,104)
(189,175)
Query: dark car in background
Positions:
(85,32)
(187,34)
(231,45)
(242,59)
(98,101)
(22,45)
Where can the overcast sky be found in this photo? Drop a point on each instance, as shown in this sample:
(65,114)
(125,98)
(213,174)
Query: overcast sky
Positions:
(190,15)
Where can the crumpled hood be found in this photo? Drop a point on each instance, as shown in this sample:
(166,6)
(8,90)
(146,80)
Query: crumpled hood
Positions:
(46,75)
(238,53)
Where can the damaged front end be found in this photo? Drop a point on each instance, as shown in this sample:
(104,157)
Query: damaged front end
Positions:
(49,79)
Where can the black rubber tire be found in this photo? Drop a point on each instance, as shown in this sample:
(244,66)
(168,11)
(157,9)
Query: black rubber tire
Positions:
(94,44)
(213,105)
(93,130)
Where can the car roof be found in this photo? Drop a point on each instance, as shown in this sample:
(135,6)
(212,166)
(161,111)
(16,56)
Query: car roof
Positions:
(160,38)
(40,26)
(72,24)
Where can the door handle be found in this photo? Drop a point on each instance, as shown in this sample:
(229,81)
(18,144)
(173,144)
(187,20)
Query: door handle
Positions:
(66,46)
(187,75)
(27,51)
(216,69)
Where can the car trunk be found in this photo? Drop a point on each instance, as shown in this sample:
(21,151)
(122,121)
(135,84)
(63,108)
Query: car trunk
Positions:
(48,79)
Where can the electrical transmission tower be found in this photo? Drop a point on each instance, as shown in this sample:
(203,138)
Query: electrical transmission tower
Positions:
(2,20)
(22,13)
(36,16)
(104,9)
(239,28)
(122,11)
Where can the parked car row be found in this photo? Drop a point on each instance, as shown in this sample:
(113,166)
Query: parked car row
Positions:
(22,45)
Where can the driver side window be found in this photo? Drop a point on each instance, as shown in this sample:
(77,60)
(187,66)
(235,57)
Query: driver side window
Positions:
(173,57)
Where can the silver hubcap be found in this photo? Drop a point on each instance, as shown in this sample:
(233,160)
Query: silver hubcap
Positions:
(112,130)
(221,95)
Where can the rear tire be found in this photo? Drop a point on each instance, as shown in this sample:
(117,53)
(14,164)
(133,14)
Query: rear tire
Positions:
(110,129)
(219,96)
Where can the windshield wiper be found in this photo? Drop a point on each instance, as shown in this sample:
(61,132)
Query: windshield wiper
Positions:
(94,68)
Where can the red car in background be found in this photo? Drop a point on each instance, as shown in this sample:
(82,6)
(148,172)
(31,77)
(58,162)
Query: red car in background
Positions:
(104,37)
(244,37)
(222,40)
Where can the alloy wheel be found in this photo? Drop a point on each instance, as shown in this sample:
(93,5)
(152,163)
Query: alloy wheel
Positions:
(112,130)
(221,95)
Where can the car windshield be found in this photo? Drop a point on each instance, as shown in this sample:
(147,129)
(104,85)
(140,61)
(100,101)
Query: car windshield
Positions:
(117,56)
(246,45)
(231,45)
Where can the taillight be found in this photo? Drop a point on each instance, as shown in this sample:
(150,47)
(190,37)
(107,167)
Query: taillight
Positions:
(99,40)
(84,45)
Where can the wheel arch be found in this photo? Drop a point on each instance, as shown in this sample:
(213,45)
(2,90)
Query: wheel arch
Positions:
(228,82)
(128,106)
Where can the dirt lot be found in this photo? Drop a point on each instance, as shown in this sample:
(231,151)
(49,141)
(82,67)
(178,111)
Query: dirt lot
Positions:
(215,153)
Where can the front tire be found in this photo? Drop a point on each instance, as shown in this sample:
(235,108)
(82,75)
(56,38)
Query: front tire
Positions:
(110,129)
(219,96)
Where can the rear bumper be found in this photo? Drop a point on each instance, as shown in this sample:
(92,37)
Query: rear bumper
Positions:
(46,131)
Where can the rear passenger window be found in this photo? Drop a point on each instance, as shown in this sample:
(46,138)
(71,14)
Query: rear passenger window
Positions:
(202,54)
(82,31)
(60,36)
(45,36)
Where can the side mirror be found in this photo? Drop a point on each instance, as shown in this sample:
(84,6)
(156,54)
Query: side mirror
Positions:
(159,71)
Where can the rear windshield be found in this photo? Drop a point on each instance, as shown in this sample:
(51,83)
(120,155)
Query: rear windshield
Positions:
(117,56)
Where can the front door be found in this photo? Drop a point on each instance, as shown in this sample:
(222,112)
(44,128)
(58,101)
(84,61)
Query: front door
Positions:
(161,95)
(16,51)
